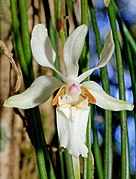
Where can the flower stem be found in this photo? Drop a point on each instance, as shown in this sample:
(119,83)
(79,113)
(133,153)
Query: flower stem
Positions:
(18,44)
(89,161)
(61,22)
(61,167)
(26,38)
(84,12)
(97,153)
(76,167)
(34,130)
(124,136)
(71,8)
(84,20)
(68,161)
(129,38)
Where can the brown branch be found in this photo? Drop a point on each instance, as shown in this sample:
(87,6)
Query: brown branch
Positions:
(14,66)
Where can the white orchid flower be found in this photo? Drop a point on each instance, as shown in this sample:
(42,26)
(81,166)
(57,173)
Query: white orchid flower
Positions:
(73,96)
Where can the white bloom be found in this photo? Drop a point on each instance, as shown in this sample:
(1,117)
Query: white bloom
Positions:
(73,96)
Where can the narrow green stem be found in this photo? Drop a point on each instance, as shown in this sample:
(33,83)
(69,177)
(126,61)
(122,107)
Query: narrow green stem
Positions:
(61,22)
(129,38)
(58,9)
(71,8)
(84,12)
(34,133)
(97,152)
(130,60)
(26,38)
(124,136)
(90,168)
(61,167)
(88,162)
(40,162)
(15,25)
(69,165)
(84,20)
(76,167)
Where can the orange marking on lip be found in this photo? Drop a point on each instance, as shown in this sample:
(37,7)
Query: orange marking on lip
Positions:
(86,93)
(55,99)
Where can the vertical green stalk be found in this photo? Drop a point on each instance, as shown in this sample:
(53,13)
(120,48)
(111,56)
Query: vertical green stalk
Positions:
(71,8)
(69,165)
(84,12)
(60,22)
(88,171)
(131,66)
(90,161)
(15,25)
(133,77)
(76,167)
(108,120)
(129,37)
(26,38)
(124,135)
(60,166)
(36,139)
(84,20)
(97,153)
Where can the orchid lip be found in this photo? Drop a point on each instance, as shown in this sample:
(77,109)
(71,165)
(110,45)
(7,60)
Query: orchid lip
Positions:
(76,92)
(73,89)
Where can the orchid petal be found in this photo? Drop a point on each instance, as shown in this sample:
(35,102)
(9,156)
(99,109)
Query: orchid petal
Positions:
(72,130)
(42,48)
(72,50)
(40,91)
(105,56)
(104,100)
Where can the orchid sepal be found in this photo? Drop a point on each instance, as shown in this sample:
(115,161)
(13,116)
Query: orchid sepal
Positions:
(72,50)
(105,56)
(106,101)
(39,91)
(42,49)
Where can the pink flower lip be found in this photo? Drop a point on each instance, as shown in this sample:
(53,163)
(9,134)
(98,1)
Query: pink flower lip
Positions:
(73,89)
